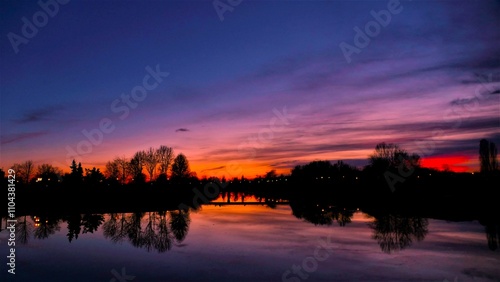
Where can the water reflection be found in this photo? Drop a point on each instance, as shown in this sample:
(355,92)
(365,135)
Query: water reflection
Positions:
(151,230)
(23,230)
(161,230)
(243,199)
(45,226)
(492,229)
(395,232)
(493,236)
(87,223)
(321,214)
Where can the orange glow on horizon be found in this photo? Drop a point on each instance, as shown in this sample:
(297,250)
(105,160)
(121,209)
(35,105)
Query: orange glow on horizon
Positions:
(455,163)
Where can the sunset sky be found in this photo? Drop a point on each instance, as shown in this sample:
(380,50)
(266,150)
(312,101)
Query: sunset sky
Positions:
(429,78)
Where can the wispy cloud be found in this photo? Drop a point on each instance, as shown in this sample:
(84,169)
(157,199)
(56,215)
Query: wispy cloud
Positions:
(214,168)
(21,136)
(181,130)
(38,114)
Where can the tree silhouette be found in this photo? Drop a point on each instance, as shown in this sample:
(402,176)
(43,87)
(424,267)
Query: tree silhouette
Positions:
(493,235)
(74,223)
(150,162)
(23,230)
(123,166)
(157,233)
(165,156)
(270,174)
(48,173)
(390,155)
(312,170)
(134,229)
(320,214)
(116,227)
(24,171)
(76,175)
(395,232)
(180,168)
(112,171)
(162,240)
(93,177)
(45,227)
(493,157)
(91,222)
(136,166)
(488,156)
(179,223)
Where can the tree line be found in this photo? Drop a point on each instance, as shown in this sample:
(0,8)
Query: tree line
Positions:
(161,164)
(388,162)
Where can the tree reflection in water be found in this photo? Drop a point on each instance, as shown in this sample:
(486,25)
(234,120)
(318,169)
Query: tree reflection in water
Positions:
(89,222)
(493,236)
(160,230)
(151,231)
(23,230)
(45,226)
(395,232)
(321,214)
(492,229)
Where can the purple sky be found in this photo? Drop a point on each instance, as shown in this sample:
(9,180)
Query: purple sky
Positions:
(430,76)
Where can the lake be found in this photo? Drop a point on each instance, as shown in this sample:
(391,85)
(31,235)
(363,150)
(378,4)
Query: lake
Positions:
(235,240)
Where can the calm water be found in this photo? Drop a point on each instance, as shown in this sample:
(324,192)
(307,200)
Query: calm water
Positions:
(249,243)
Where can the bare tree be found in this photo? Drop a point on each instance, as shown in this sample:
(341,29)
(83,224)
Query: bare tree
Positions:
(24,171)
(49,173)
(150,162)
(136,164)
(29,170)
(112,170)
(123,167)
(484,155)
(19,171)
(391,155)
(488,156)
(165,156)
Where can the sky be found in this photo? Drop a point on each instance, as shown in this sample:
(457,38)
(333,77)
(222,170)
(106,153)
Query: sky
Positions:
(245,87)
